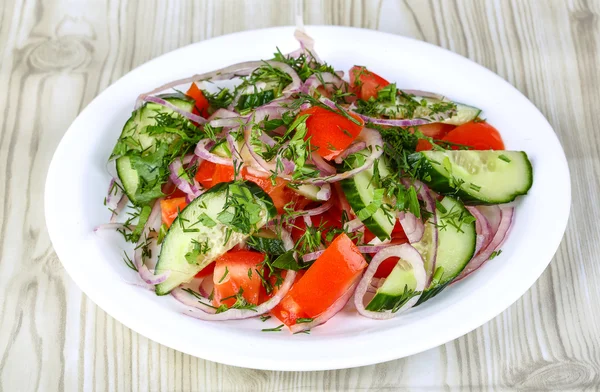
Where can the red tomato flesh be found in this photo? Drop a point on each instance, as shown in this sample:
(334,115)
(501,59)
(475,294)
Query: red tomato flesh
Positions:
(208,270)
(324,282)
(364,83)
(477,135)
(435,131)
(169,208)
(231,275)
(204,174)
(201,105)
(330,132)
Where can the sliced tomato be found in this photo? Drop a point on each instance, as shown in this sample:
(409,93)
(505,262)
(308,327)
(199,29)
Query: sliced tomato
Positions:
(435,131)
(477,135)
(169,208)
(288,310)
(365,83)
(210,174)
(204,174)
(386,267)
(279,192)
(331,219)
(330,132)
(206,271)
(324,282)
(222,173)
(232,274)
(201,105)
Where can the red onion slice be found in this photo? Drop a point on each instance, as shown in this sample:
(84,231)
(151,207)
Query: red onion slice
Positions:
(226,73)
(190,189)
(120,207)
(113,226)
(322,79)
(406,253)
(374,248)
(325,168)
(317,210)
(230,122)
(189,300)
(493,214)
(324,193)
(353,225)
(146,239)
(189,115)
(482,228)
(337,306)
(355,147)
(307,44)
(427,246)
(223,113)
(114,194)
(207,286)
(413,227)
(202,150)
(312,256)
(507,215)
(373,141)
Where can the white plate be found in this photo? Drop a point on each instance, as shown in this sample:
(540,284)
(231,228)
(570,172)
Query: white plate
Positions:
(78,178)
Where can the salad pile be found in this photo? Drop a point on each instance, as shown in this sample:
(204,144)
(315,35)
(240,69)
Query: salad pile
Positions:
(278,188)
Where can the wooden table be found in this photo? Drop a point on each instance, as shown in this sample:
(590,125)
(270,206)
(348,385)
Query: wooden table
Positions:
(57,55)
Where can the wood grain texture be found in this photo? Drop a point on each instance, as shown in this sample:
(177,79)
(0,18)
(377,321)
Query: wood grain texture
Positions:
(66,51)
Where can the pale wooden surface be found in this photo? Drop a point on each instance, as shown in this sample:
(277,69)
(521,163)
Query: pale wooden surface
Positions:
(58,54)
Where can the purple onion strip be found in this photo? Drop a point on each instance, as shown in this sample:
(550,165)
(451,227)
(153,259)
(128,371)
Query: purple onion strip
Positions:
(404,252)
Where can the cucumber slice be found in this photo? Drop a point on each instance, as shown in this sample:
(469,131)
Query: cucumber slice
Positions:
(138,159)
(221,149)
(456,244)
(476,177)
(197,236)
(307,190)
(128,176)
(266,241)
(360,192)
(464,114)
(393,293)
(427,107)
(133,136)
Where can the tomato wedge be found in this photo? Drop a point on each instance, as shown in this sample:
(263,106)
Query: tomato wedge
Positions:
(324,282)
(477,135)
(169,208)
(210,174)
(330,132)
(201,105)
(204,174)
(435,131)
(235,272)
(364,83)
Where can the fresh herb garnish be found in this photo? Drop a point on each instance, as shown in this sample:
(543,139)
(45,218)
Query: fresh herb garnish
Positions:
(495,253)
(504,158)
(276,329)
(224,274)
